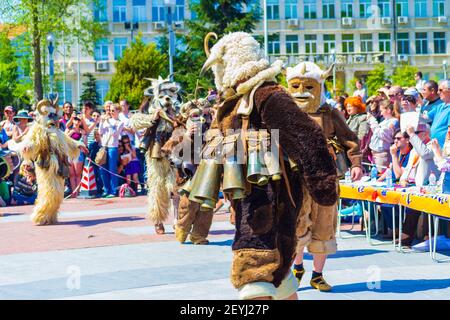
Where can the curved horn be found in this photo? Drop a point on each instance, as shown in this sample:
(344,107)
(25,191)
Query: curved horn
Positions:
(303,68)
(206,42)
(40,105)
(55,103)
(327,72)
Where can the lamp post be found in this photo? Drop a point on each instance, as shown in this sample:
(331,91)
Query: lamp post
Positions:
(266,37)
(333,58)
(170,6)
(51,48)
(444,66)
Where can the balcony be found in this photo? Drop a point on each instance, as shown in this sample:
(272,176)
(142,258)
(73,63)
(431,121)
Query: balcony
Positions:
(341,58)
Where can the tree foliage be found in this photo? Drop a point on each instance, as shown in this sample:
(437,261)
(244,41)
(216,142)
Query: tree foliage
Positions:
(139,61)
(219,16)
(403,75)
(375,79)
(8,71)
(89,90)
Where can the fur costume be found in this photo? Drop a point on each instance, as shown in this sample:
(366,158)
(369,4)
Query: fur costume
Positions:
(49,149)
(317,223)
(160,174)
(265,241)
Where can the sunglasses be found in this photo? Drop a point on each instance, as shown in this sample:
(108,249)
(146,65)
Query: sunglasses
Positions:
(398,138)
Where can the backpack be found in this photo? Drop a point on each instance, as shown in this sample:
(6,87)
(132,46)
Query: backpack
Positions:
(126,191)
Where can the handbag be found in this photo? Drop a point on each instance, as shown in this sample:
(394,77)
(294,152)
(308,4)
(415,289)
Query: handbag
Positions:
(340,156)
(102,154)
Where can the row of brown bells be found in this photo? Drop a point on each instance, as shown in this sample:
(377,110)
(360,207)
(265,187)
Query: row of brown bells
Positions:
(262,166)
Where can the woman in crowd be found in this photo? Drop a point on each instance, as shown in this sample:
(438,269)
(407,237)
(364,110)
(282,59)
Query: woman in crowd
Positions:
(22,119)
(357,120)
(382,135)
(132,168)
(25,188)
(110,130)
(76,165)
(67,117)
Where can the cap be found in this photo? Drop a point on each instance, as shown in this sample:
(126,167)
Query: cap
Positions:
(384,91)
(411,92)
(9,108)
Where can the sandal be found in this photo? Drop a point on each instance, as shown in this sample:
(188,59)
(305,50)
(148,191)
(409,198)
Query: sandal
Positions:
(298,274)
(320,284)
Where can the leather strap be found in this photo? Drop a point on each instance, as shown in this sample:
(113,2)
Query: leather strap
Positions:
(285,177)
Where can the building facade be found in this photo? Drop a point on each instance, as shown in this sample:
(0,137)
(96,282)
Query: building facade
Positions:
(354,34)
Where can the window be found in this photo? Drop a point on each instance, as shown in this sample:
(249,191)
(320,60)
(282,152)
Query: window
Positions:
(329,43)
(100,12)
(290,9)
(347,8)
(438,8)
(310,43)
(421,43)
(179,11)
(102,87)
(158,10)
(420,8)
(194,14)
(119,10)
(384,8)
(401,8)
(439,42)
(64,96)
(328,9)
(291,44)
(403,43)
(139,13)
(348,44)
(101,50)
(384,41)
(366,42)
(274,45)
(273,10)
(310,9)
(120,44)
(364,8)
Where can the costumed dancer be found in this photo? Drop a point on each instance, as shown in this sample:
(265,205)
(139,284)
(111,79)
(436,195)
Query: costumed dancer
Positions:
(159,124)
(267,197)
(317,222)
(50,149)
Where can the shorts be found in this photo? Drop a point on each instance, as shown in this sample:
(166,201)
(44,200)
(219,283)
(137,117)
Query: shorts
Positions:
(132,167)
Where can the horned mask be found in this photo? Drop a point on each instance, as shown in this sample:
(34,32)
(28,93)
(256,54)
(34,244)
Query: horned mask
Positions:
(306,85)
(48,113)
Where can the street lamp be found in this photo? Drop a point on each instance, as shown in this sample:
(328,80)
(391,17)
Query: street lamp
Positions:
(444,66)
(333,57)
(51,48)
(170,6)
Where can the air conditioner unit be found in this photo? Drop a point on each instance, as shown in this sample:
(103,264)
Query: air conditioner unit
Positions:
(386,20)
(442,19)
(402,20)
(102,66)
(402,58)
(347,21)
(293,22)
(159,25)
(179,25)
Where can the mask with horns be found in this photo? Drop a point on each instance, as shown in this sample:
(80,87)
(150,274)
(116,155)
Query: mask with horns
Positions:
(48,111)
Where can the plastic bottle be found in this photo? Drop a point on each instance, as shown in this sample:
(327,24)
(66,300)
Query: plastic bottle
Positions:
(348,176)
(389,183)
(432,183)
(373,174)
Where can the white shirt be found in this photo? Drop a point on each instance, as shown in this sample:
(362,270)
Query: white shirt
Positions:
(110,131)
(126,124)
(383,134)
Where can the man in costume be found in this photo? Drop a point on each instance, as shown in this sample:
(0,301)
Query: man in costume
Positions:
(317,223)
(159,123)
(49,149)
(251,105)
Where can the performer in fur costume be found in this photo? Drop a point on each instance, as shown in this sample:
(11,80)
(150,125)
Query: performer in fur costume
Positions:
(317,223)
(159,124)
(252,106)
(49,149)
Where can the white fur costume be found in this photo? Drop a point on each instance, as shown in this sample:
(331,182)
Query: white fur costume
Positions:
(48,147)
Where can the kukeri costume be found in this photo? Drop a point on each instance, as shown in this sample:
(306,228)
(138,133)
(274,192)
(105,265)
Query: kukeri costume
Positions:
(265,193)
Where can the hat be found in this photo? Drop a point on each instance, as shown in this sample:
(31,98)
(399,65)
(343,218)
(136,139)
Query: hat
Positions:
(411,92)
(23,114)
(370,99)
(384,91)
(9,108)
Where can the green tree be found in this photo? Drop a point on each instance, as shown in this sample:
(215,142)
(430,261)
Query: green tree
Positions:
(89,90)
(69,20)
(375,79)
(219,16)
(403,75)
(138,62)
(8,71)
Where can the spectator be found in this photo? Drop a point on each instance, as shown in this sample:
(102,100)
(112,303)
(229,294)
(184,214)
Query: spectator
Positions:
(124,116)
(76,165)
(110,129)
(440,115)
(430,94)
(94,147)
(340,105)
(122,161)
(67,117)
(382,134)
(374,107)
(395,94)
(25,188)
(132,168)
(8,123)
(420,83)
(22,119)
(408,103)
(360,91)
(400,152)
(442,155)
(357,120)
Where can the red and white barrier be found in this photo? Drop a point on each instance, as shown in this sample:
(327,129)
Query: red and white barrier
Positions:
(88,186)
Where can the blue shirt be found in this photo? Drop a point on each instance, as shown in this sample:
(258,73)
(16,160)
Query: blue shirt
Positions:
(403,158)
(429,106)
(3,136)
(440,116)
